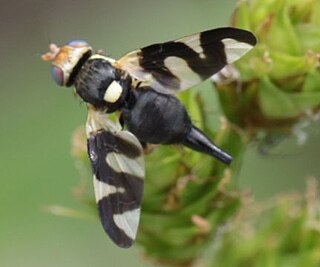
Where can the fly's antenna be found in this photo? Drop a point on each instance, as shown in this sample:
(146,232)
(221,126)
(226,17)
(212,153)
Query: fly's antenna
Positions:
(53,51)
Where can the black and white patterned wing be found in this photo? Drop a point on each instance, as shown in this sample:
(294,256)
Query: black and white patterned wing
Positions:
(117,162)
(174,66)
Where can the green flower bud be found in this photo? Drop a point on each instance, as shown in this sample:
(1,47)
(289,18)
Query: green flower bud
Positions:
(280,77)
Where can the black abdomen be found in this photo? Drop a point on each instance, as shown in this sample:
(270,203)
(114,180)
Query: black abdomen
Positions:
(157,118)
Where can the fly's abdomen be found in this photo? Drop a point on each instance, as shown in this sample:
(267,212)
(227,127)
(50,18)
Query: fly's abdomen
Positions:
(157,118)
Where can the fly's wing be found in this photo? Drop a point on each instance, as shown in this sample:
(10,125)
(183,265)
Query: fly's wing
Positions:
(178,65)
(117,162)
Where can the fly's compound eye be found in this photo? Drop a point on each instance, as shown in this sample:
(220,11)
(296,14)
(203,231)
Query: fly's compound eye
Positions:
(57,75)
(78,43)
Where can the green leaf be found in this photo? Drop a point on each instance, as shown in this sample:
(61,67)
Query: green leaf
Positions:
(243,16)
(278,104)
(309,36)
(315,17)
(258,13)
(306,100)
(274,102)
(284,65)
(282,35)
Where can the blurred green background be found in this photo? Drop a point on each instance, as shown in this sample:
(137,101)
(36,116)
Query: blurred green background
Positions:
(38,118)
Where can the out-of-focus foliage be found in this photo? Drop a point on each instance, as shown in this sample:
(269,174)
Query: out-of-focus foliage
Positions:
(280,232)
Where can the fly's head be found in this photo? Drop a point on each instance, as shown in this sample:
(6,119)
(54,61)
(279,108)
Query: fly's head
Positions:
(67,60)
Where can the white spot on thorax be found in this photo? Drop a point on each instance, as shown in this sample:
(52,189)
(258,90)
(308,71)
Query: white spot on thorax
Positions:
(113,92)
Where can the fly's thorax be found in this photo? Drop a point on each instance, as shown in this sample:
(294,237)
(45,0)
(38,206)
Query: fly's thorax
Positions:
(101,84)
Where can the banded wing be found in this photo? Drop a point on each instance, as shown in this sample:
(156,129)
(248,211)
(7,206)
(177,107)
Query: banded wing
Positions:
(178,65)
(117,162)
